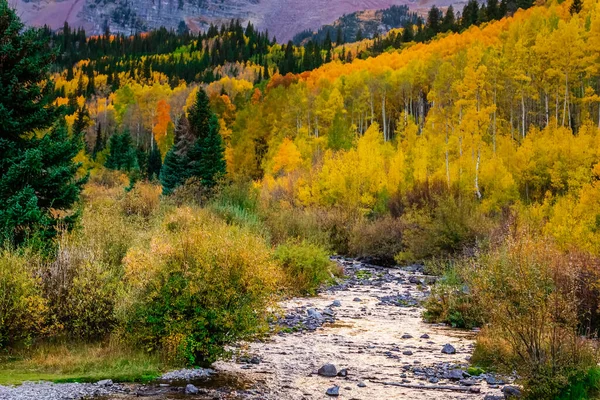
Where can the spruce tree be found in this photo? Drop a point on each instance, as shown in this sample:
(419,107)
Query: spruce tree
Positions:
(199,115)
(154,164)
(207,162)
(37,174)
(122,155)
(81,122)
(99,143)
(173,171)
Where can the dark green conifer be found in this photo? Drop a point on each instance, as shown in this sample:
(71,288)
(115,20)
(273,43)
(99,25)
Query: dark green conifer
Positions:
(37,174)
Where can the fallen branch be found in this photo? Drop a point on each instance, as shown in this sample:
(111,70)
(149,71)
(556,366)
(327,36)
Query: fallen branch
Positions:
(469,389)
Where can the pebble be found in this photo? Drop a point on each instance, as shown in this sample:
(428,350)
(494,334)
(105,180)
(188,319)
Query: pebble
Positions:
(187,374)
(361,384)
(343,373)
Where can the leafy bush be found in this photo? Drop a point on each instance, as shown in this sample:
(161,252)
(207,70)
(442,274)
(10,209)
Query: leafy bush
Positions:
(452,225)
(306,265)
(142,201)
(379,239)
(452,302)
(22,307)
(529,291)
(197,287)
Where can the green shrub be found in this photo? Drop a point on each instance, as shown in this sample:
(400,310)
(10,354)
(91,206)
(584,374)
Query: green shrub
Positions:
(307,266)
(22,307)
(199,286)
(452,302)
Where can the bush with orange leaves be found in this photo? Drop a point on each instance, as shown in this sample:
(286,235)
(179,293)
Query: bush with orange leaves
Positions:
(198,286)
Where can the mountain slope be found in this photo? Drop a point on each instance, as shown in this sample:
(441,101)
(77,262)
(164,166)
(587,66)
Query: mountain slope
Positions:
(283,18)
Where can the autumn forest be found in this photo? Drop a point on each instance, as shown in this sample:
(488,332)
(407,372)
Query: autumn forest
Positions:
(164,192)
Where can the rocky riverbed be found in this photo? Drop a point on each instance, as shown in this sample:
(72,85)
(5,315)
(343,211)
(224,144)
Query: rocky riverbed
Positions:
(361,339)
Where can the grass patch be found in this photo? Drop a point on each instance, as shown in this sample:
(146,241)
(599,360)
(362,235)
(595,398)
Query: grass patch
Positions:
(78,363)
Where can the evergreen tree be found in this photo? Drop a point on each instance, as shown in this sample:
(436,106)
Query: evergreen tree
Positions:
(99,143)
(408,34)
(173,171)
(37,174)
(122,155)
(81,122)
(199,115)
(449,21)
(359,35)
(154,164)
(207,161)
(340,36)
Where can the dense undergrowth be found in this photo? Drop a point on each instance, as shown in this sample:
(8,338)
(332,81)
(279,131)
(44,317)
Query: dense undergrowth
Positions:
(170,281)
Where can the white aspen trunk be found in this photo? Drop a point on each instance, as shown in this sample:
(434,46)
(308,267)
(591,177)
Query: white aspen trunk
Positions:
(372,109)
(522,114)
(547,110)
(447,157)
(477,173)
(384,118)
(565,102)
(494,126)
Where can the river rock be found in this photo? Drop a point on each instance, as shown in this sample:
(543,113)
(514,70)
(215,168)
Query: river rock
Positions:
(361,384)
(333,391)
(448,349)
(191,389)
(105,382)
(336,303)
(343,373)
(425,336)
(328,370)
(511,392)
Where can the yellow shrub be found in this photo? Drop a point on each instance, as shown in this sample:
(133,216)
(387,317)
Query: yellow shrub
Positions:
(143,200)
(22,308)
(200,278)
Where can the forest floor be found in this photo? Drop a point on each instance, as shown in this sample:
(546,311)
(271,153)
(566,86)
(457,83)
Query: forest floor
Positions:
(369,327)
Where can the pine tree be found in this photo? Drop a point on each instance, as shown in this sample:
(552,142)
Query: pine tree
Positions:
(154,163)
(359,35)
(37,174)
(173,172)
(207,162)
(81,122)
(199,115)
(99,143)
(122,155)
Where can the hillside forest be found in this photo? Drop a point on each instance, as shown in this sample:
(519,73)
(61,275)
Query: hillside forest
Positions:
(161,192)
